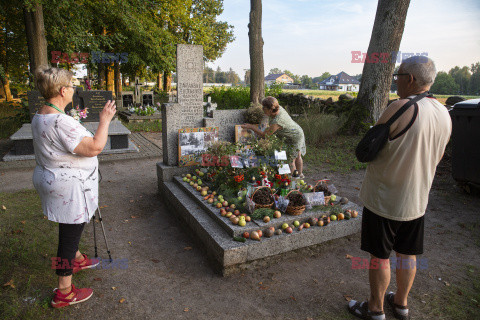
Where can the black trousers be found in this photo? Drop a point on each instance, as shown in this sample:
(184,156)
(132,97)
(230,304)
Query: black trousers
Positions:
(68,240)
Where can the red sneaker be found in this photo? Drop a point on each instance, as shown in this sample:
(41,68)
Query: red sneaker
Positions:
(86,263)
(74,296)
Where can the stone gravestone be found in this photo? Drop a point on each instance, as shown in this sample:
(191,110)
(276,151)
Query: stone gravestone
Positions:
(95,100)
(188,111)
(128,99)
(35,101)
(225,120)
(147,98)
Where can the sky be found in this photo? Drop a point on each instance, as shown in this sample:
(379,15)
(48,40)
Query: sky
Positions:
(316,36)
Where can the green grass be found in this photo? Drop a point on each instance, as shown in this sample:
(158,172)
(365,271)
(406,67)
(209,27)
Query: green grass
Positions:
(459,301)
(319,127)
(147,126)
(335,154)
(27,242)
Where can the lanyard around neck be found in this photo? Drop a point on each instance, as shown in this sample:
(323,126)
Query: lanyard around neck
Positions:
(54,107)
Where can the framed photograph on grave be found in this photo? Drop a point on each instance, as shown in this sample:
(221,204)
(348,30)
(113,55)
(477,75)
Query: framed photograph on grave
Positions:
(244,136)
(193,142)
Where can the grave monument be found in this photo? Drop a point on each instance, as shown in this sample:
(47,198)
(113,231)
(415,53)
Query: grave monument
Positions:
(212,230)
(118,135)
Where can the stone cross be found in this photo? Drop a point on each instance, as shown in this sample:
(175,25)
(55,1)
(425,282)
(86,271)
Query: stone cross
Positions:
(188,111)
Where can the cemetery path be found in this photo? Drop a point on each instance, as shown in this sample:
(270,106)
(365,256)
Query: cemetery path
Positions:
(169,277)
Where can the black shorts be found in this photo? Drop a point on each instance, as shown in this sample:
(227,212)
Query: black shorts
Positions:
(380,235)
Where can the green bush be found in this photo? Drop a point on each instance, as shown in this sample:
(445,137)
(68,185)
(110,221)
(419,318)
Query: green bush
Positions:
(320,126)
(238,97)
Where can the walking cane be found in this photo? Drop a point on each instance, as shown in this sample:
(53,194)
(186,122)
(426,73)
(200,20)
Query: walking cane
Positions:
(103,228)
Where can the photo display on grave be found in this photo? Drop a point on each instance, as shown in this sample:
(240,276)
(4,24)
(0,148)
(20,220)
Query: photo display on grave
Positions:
(192,144)
(95,100)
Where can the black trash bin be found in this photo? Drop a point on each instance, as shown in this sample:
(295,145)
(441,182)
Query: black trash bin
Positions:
(466,141)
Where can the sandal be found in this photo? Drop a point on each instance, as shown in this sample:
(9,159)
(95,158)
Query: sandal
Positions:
(360,310)
(399,312)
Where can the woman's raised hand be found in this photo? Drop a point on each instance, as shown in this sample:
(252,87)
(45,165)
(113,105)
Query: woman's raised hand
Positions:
(108,111)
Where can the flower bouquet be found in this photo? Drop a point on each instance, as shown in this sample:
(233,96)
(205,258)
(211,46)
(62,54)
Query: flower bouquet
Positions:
(78,114)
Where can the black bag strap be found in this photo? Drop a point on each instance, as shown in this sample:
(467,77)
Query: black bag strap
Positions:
(405,107)
(415,112)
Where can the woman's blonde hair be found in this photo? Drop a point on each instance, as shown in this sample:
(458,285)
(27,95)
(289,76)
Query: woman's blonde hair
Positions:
(50,80)
(271,103)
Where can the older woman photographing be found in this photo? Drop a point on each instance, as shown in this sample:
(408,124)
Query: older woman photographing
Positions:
(281,124)
(66,175)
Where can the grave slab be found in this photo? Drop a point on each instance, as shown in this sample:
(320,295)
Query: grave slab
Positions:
(117,141)
(229,256)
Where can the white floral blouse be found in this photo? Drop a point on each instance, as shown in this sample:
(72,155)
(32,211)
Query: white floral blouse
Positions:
(66,182)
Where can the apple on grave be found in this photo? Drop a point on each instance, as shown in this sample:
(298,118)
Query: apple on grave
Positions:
(229,214)
(232,206)
(284,226)
(307,225)
(246,235)
(289,230)
(242,223)
(296,223)
(199,182)
(219,205)
(189,175)
(201,173)
(248,218)
(194,178)
(225,203)
(199,188)
(203,193)
(210,200)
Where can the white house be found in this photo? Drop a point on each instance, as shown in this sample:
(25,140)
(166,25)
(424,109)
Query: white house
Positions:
(340,82)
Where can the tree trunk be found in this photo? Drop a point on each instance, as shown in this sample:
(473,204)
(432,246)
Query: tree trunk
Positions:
(377,75)
(110,78)
(117,80)
(257,82)
(6,87)
(159,81)
(35,31)
(167,81)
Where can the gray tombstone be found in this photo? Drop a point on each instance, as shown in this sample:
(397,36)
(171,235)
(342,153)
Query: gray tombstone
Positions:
(147,98)
(225,120)
(128,99)
(188,111)
(95,100)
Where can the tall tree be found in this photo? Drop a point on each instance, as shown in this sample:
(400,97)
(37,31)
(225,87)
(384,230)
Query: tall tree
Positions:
(13,53)
(257,81)
(324,76)
(462,78)
(35,32)
(475,79)
(377,77)
(444,84)
(275,71)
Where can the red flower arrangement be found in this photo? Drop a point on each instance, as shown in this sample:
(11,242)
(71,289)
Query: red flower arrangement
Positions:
(239,178)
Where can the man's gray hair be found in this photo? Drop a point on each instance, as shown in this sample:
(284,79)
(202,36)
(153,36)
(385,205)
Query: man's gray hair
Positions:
(422,68)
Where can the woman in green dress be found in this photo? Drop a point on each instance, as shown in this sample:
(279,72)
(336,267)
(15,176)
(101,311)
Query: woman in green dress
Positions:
(281,124)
